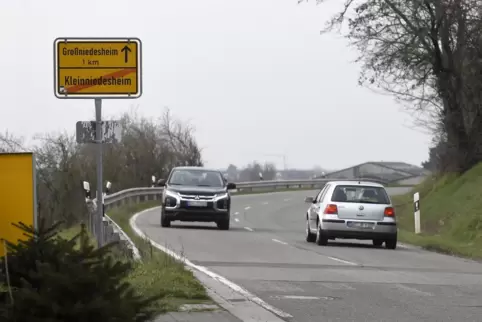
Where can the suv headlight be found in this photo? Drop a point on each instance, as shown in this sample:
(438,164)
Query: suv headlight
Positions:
(221,196)
(171,199)
(172,194)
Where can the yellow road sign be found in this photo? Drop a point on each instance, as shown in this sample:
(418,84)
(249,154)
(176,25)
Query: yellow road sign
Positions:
(98,67)
(17,195)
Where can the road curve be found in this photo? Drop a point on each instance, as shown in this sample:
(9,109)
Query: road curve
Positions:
(265,253)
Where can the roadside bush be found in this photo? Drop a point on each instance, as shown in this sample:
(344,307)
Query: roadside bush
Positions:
(56,279)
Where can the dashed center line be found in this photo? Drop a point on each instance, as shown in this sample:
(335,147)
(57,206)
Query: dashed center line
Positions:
(287,199)
(247,208)
(249,229)
(236,213)
(279,241)
(342,261)
(265,203)
(236,219)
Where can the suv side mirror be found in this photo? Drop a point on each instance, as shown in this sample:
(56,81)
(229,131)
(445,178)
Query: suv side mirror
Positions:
(231,186)
(161,183)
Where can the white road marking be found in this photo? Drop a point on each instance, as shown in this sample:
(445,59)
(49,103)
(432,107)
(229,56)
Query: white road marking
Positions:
(279,241)
(247,228)
(247,208)
(287,199)
(342,261)
(265,203)
(236,219)
(236,213)
(413,290)
(204,270)
(337,286)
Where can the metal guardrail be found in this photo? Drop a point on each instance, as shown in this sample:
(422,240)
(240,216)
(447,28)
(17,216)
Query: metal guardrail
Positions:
(153,193)
(137,195)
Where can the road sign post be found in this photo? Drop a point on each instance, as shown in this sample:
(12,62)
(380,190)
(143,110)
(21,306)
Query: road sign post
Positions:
(100,185)
(98,68)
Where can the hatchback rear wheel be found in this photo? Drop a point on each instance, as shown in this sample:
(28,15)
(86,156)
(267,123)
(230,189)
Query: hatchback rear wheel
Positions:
(321,238)
(391,243)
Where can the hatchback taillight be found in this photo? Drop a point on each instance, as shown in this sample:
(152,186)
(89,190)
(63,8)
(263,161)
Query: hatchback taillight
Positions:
(331,210)
(389,212)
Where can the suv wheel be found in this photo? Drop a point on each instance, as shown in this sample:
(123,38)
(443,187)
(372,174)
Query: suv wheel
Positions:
(223,224)
(164,221)
(377,242)
(310,237)
(321,239)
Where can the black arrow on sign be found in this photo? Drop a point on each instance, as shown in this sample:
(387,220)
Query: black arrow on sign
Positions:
(126,50)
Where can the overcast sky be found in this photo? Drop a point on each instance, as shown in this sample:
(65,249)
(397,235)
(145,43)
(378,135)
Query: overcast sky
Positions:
(254,77)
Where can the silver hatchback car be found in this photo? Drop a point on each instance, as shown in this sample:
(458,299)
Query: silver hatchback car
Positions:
(352,210)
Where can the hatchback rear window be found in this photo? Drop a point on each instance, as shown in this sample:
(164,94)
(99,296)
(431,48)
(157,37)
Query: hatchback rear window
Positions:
(360,194)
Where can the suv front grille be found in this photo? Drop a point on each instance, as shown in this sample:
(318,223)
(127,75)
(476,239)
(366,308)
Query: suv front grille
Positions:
(196,197)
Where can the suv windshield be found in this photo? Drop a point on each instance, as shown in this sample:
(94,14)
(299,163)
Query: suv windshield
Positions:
(199,178)
(360,194)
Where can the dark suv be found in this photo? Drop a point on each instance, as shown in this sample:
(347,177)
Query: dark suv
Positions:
(196,194)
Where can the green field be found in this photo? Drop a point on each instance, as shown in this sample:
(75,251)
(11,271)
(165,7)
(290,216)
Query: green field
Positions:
(451,214)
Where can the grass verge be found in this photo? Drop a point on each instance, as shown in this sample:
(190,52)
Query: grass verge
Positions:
(159,273)
(451,214)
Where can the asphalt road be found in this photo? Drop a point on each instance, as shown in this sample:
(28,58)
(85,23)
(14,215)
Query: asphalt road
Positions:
(265,252)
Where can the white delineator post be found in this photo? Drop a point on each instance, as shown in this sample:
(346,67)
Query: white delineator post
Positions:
(416,214)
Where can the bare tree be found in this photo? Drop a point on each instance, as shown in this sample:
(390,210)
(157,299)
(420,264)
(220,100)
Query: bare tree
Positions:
(10,143)
(251,172)
(427,54)
(149,147)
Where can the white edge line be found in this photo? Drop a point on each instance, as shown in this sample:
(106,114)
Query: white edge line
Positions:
(247,228)
(135,251)
(279,241)
(204,270)
(342,261)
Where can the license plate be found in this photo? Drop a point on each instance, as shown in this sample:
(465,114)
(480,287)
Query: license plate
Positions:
(197,203)
(363,225)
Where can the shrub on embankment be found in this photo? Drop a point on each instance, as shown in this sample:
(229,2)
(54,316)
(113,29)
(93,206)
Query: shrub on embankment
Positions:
(451,214)
(50,278)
